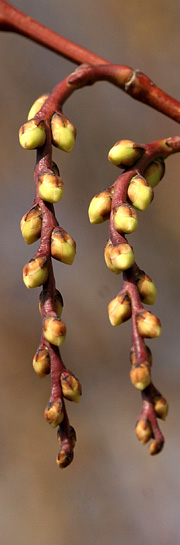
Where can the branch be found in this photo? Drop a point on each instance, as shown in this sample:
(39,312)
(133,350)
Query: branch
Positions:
(137,84)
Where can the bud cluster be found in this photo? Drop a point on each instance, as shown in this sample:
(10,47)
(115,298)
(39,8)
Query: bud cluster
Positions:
(40,223)
(132,191)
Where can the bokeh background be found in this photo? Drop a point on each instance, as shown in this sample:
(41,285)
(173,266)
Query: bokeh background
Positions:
(114,493)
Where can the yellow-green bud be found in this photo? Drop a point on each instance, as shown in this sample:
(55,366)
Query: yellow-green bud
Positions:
(58,302)
(63,133)
(64,458)
(31,224)
(54,413)
(146,288)
(140,192)
(122,256)
(100,207)
(35,273)
(71,387)
(125,219)
(50,187)
(54,330)
(148,324)
(32,134)
(143,431)
(107,257)
(119,309)
(125,153)
(41,362)
(156,446)
(37,106)
(160,407)
(155,172)
(140,375)
(63,247)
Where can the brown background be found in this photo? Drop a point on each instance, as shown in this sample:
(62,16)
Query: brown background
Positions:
(114,493)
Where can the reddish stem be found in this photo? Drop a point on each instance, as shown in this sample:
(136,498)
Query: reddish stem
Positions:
(137,84)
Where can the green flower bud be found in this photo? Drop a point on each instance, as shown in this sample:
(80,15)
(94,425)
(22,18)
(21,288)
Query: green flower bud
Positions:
(31,224)
(125,153)
(140,192)
(148,324)
(140,375)
(35,273)
(160,407)
(107,257)
(143,431)
(125,219)
(54,330)
(58,302)
(100,207)
(50,187)
(146,288)
(119,309)
(63,133)
(32,134)
(63,247)
(122,256)
(41,362)
(37,106)
(155,172)
(54,413)
(71,387)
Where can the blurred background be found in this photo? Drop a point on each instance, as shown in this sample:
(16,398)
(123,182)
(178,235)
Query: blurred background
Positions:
(114,493)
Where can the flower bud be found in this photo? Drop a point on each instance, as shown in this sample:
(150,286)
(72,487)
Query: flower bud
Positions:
(63,247)
(140,192)
(35,273)
(64,458)
(143,431)
(71,387)
(148,353)
(119,309)
(146,288)
(63,133)
(160,407)
(125,153)
(140,375)
(37,106)
(41,362)
(32,134)
(107,257)
(50,187)
(54,330)
(156,446)
(31,224)
(148,324)
(54,413)
(125,219)
(122,256)
(155,172)
(100,207)
(58,302)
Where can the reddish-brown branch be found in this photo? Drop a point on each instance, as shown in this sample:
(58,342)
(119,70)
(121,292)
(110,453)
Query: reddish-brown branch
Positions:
(137,84)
